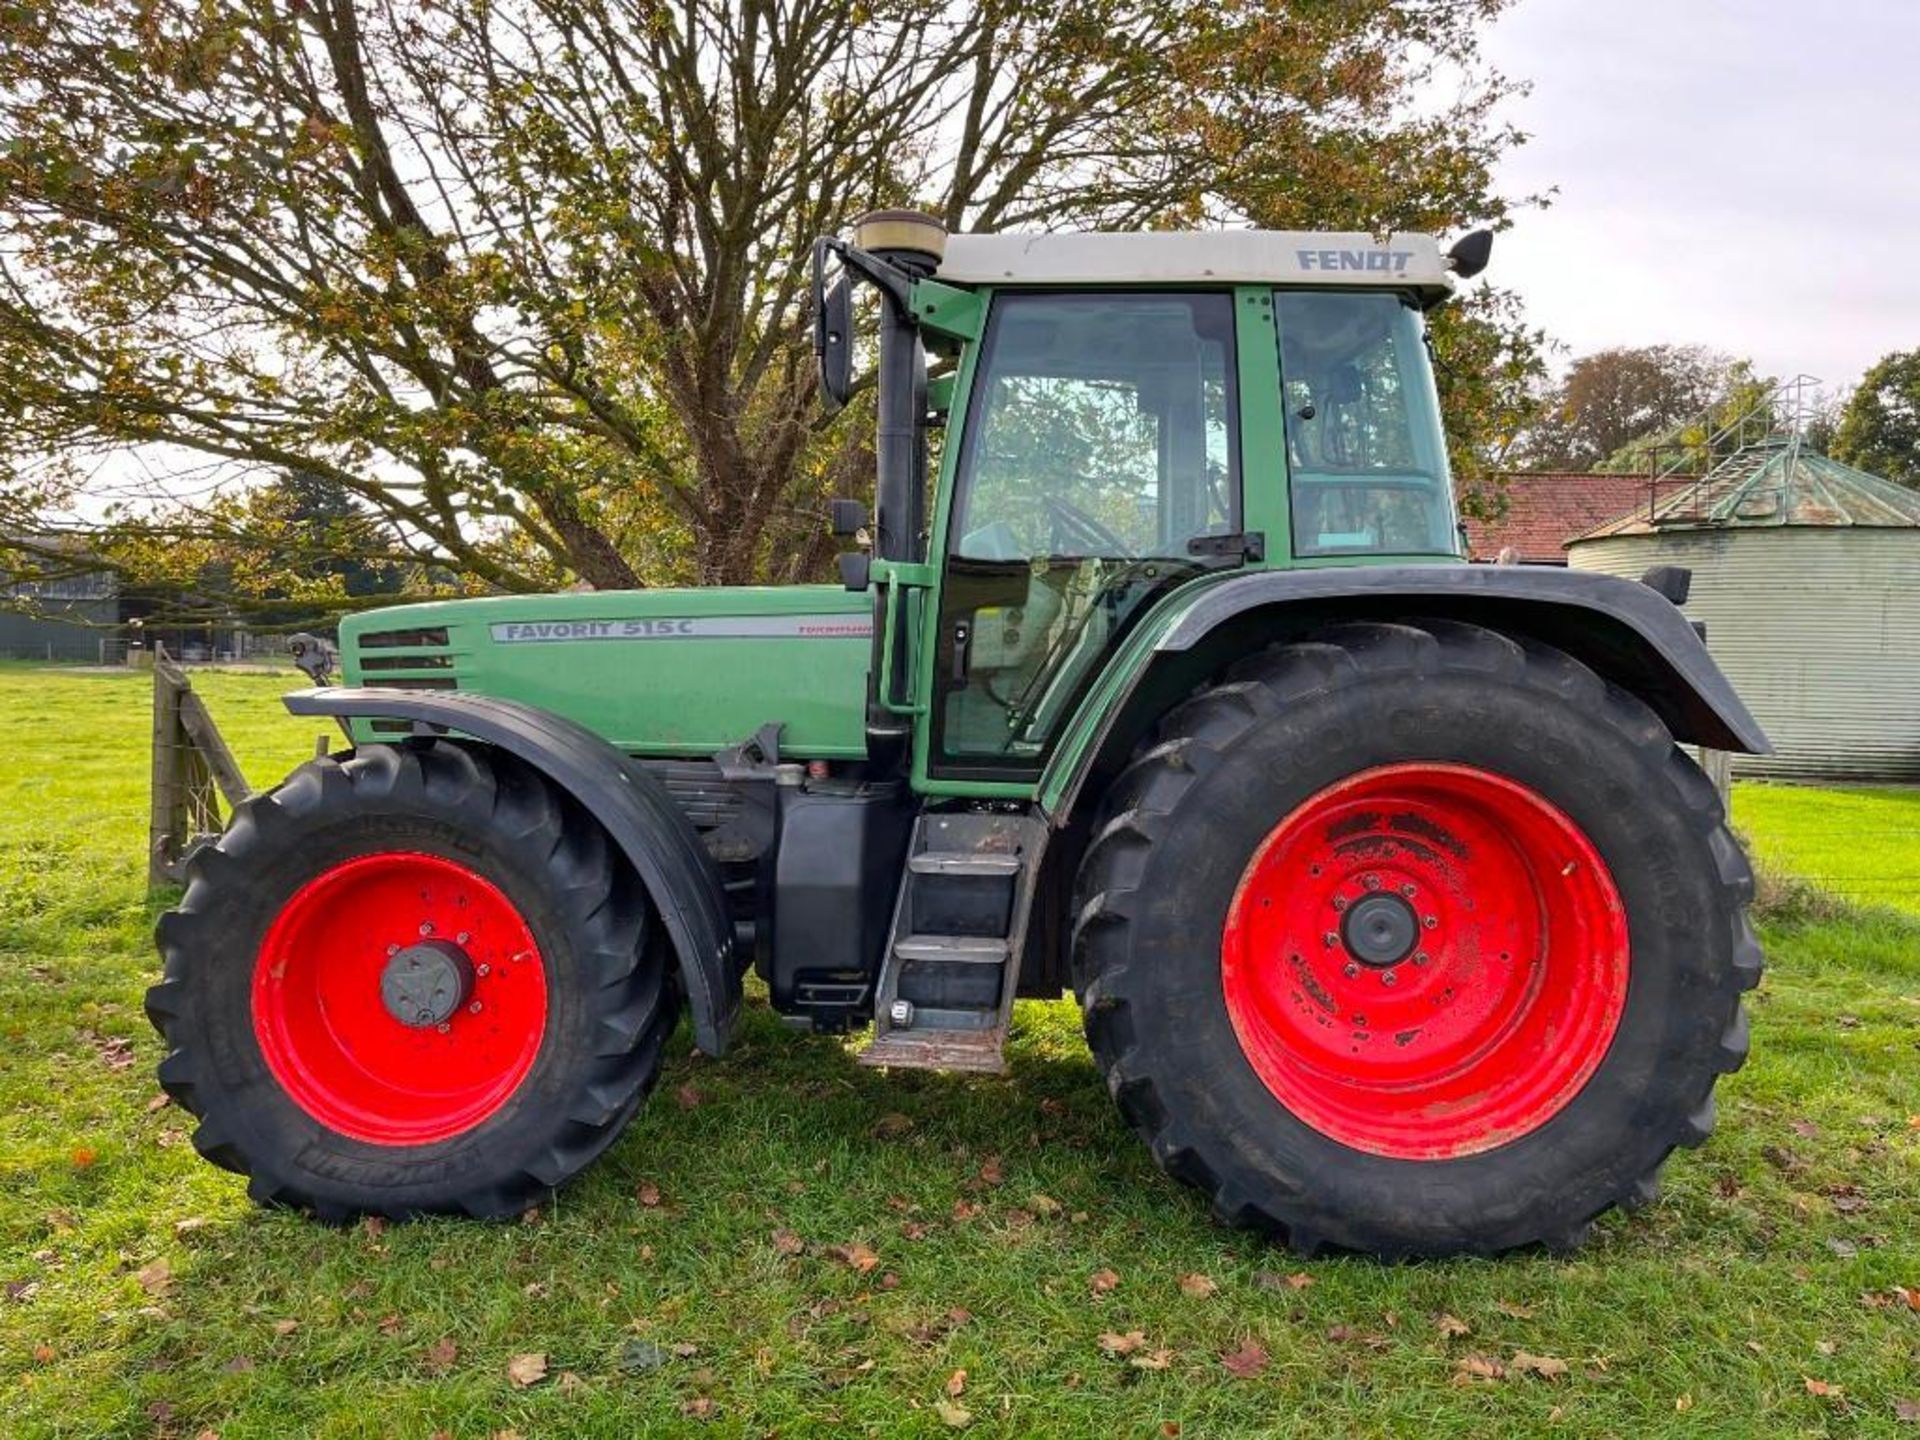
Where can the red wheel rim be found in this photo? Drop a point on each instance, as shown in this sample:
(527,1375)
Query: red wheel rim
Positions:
(1499,1009)
(330,1037)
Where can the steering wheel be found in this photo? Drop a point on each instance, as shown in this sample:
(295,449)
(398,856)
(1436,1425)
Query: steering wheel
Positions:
(1071,522)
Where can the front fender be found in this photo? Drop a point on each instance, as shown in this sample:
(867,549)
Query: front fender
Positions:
(1628,633)
(633,807)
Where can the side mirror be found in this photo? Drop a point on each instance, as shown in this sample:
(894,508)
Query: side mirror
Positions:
(1470,254)
(832,330)
(856,569)
(849,517)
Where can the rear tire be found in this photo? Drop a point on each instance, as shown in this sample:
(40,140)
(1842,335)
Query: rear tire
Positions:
(283,1037)
(1519,1051)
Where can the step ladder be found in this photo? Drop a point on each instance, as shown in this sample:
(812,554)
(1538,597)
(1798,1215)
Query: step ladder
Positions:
(946,987)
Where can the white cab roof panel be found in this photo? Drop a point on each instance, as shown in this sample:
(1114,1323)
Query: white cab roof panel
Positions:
(1277,257)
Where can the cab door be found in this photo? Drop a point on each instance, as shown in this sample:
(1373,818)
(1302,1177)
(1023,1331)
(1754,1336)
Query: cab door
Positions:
(1097,467)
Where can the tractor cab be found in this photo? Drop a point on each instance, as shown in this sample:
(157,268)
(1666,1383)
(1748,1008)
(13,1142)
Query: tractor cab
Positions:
(1122,416)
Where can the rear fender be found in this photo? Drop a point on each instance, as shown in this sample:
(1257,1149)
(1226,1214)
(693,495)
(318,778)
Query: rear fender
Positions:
(1626,632)
(633,807)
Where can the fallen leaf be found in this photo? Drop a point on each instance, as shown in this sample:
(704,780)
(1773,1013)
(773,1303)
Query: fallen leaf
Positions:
(1513,1311)
(991,1172)
(1152,1360)
(390,1324)
(82,1157)
(685,1349)
(1547,1367)
(688,1097)
(854,1254)
(964,1209)
(441,1355)
(1473,1368)
(189,1225)
(284,1328)
(238,1365)
(42,1354)
(1123,1344)
(1198,1286)
(1822,1388)
(957,1384)
(1907,1411)
(891,1126)
(1805,1129)
(954,1417)
(1102,1282)
(701,1407)
(1451,1326)
(374,1227)
(1247,1361)
(525,1370)
(649,1194)
(1044,1205)
(1682,1403)
(159,1102)
(570,1382)
(788,1243)
(155,1278)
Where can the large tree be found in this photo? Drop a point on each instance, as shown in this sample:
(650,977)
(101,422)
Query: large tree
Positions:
(1879,427)
(526,276)
(1612,400)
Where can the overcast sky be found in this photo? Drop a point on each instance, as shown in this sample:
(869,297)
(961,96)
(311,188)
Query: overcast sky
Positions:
(1740,173)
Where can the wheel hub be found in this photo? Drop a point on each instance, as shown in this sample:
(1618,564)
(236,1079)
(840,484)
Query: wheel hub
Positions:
(424,984)
(1380,930)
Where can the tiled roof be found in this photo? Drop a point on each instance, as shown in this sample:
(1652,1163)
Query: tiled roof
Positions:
(1546,510)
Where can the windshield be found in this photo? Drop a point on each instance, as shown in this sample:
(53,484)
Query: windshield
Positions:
(1365,451)
(1099,448)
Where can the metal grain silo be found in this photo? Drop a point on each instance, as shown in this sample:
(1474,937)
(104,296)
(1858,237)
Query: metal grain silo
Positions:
(1807,574)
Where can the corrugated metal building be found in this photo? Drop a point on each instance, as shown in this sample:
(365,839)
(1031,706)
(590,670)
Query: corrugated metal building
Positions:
(1807,574)
(69,618)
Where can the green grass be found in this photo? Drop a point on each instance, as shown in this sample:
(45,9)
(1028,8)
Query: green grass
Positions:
(1861,843)
(990,1205)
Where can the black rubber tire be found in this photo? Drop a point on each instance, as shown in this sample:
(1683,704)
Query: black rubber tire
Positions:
(1177,831)
(611,996)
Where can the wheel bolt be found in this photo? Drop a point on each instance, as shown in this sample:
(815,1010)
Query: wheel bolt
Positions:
(1372,882)
(426,927)
(1407,890)
(442,1027)
(1430,921)
(1332,939)
(474,1009)
(1339,902)
(1350,970)
(1419,957)
(483,970)
(1387,977)
(462,937)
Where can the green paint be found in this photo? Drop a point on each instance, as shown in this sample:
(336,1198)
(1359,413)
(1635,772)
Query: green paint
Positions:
(642,672)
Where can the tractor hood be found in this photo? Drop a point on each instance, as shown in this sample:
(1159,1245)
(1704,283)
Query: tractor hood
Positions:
(656,672)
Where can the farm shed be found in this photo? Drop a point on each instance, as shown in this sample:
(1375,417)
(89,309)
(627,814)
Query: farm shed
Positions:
(64,617)
(1807,575)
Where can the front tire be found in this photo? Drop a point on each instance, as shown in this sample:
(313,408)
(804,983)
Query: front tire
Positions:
(414,980)
(1415,939)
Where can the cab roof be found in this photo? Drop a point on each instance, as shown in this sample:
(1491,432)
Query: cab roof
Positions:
(1276,257)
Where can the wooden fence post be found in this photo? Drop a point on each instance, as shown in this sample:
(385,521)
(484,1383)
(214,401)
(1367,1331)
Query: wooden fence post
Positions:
(192,765)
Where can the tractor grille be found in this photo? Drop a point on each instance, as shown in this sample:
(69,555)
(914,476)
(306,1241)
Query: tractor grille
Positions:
(697,788)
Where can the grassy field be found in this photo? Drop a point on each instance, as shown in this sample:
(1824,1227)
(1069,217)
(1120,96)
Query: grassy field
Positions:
(785,1242)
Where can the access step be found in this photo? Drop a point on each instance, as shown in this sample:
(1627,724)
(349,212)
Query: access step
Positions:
(978,1051)
(952,949)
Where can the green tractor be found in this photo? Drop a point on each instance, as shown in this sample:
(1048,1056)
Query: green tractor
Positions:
(1399,919)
